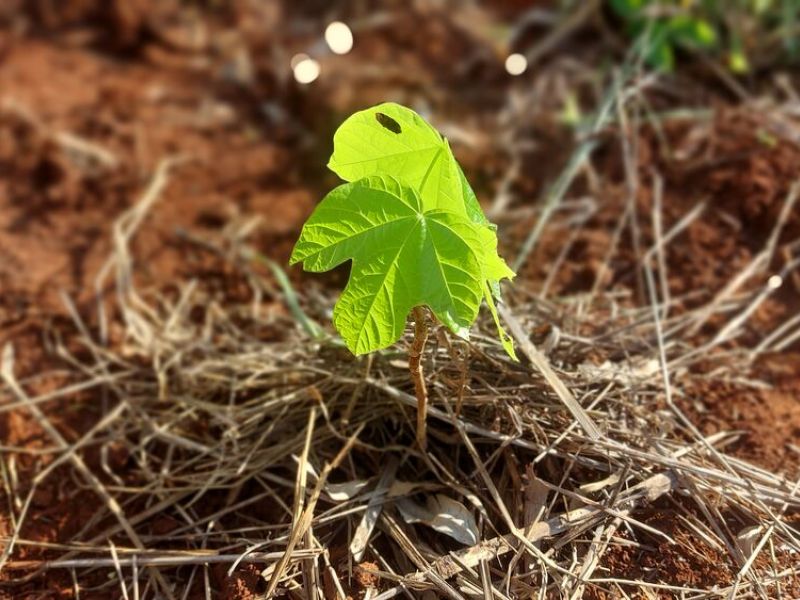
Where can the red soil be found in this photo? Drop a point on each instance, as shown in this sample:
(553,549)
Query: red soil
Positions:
(145,98)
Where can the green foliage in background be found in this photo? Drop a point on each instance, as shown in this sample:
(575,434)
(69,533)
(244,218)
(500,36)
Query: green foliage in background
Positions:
(735,29)
(412,226)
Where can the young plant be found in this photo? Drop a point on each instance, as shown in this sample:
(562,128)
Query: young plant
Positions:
(415,233)
(764,30)
(668,25)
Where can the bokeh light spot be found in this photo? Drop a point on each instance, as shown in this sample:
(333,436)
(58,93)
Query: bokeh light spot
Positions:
(339,37)
(305,68)
(516,64)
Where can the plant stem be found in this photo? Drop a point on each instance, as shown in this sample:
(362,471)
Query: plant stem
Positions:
(415,366)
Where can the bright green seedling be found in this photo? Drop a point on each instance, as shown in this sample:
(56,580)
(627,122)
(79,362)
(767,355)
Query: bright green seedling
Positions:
(414,231)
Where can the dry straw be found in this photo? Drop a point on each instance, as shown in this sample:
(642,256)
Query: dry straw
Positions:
(294,456)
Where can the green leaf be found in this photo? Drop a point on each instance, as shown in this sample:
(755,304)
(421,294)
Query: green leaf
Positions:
(391,143)
(471,204)
(505,339)
(495,268)
(692,31)
(403,256)
(737,61)
(390,139)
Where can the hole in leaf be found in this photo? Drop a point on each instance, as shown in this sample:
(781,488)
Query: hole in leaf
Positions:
(388,122)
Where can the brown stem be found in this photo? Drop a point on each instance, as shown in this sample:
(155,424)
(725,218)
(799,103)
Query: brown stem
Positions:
(415,366)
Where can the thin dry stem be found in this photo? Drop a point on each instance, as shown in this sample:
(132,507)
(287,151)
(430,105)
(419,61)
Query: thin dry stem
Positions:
(421,328)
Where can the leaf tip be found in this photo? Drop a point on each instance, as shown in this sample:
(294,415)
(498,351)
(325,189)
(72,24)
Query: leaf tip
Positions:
(294,258)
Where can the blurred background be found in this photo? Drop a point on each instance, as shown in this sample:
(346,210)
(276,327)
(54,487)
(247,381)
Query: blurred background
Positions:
(602,136)
(537,100)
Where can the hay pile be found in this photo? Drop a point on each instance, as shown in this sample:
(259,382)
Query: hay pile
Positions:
(293,465)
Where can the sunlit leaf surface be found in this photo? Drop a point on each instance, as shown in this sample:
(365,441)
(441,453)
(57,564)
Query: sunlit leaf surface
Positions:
(412,226)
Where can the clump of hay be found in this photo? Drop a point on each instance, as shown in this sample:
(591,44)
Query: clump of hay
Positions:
(285,453)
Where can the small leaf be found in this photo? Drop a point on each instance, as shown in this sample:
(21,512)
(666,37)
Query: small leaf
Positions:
(505,339)
(737,59)
(341,492)
(495,269)
(443,514)
(364,145)
(571,112)
(692,31)
(747,539)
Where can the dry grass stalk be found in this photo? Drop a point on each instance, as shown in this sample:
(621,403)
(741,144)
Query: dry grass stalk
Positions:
(254,401)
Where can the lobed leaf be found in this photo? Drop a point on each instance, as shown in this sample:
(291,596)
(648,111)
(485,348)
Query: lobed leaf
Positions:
(412,226)
(402,257)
